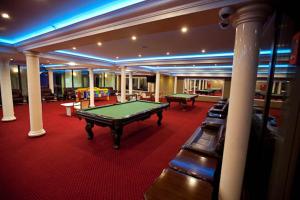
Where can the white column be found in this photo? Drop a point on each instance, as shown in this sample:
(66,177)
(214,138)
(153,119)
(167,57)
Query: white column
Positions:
(248,22)
(34,94)
(50,80)
(205,84)
(194,91)
(130,83)
(199,85)
(273,87)
(102,79)
(123,84)
(184,85)
(6,92)
(91,77)
(279,87)
(118,82)
(138,83)
(175,84)
(157,87)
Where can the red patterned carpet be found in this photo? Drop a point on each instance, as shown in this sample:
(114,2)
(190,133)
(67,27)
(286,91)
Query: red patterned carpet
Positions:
(63,164)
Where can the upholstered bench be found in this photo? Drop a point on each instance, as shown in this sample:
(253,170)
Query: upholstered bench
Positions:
(207,140)
(214,121)
(177,186)
(195,165)
(220,111)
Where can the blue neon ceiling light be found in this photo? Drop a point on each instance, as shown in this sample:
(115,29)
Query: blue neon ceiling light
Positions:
(88,12)
(207,55)
(53,65)
(176,57)
(210,67)
(84,55)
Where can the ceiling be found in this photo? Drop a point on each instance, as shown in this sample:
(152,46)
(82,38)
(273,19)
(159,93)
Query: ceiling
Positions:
(37,16)
(154,38)
(159,43)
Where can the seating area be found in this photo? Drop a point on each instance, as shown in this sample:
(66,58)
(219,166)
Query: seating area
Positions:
(17,96)
(219,110)
(69,93)
(197,163)
(47,94)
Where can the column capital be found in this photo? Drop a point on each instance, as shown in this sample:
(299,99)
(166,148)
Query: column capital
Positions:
(31,53)
(251,13)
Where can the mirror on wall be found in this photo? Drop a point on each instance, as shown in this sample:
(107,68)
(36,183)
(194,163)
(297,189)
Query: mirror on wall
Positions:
(207,87)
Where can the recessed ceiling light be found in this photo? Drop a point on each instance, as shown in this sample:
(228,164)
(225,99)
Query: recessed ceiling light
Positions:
(140,55)
(203,50)
(168,53)
(74,48)
(72,63)
(5,16)
(99,43)
(193,65)
(117,57)
(11,59)
(184,29)
(133,37)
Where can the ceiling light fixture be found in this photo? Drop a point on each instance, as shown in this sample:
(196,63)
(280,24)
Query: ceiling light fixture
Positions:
(72,63)
(140,55)
(74,48)
(99,44)
(11,59)
(203,50)
(133,37)
(168,53)
(117,57)
(184,29)
(5,16)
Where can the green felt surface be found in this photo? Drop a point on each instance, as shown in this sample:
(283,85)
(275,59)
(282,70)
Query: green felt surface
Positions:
(182,95)
(122,110)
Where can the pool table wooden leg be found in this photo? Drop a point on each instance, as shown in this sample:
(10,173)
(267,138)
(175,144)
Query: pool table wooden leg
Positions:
(117,133)
(193,102)
(88,128)
(159,115)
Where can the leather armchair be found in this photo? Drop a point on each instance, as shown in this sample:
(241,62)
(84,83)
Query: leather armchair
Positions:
(17,96)
(47,94)
(207,140)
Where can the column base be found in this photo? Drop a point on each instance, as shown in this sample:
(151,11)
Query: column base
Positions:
(36,133)
(8,118)
(92,106)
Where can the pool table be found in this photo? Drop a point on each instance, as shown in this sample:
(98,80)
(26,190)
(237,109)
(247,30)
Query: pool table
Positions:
(181,98)
(206,91)
(116,116)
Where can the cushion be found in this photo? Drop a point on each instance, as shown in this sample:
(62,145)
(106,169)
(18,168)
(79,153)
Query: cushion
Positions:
(195,165)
